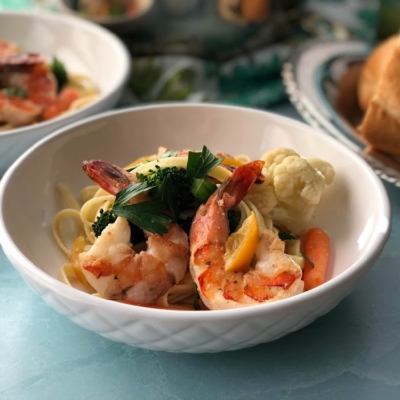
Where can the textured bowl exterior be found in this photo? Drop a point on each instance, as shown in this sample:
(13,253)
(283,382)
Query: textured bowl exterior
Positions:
(358,236)
(109,76)
(201,336)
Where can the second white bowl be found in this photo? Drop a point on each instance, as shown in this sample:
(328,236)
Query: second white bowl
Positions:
(84,48)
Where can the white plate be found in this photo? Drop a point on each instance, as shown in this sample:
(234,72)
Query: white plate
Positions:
(305,75)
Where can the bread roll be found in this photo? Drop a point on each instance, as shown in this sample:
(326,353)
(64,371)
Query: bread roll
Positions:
(373,69)
(381,124)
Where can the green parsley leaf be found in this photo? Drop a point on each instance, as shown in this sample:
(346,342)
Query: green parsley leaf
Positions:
(124,195)
(200,164)
(147,215)
(166,193)
(60,73)
(202,189)
(15,92)
(169,153)
(307,259)
(286,236)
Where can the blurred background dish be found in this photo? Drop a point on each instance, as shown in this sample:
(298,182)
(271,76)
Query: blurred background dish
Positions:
(119,16)
(321,81)
(211,29)
(356,243)
(84,48)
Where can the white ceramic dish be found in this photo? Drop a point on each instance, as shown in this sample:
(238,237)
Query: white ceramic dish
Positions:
(84,48)
(354,210)
(311,75)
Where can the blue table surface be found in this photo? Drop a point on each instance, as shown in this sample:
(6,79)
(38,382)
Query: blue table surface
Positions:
(353,352)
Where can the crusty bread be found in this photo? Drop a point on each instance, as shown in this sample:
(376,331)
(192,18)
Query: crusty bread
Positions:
(381,124)
(372,70)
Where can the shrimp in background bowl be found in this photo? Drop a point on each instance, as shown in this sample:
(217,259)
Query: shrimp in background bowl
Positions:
(194,230)
(33,90)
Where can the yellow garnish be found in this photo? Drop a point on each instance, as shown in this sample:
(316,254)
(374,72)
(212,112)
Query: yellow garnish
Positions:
(241,245)
(232,161)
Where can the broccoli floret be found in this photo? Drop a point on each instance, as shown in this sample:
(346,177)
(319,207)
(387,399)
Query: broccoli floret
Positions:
(105,218)
(108,217)
(177,177)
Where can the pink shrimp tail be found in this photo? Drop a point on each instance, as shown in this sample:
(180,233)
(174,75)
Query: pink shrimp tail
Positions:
(239,183)
(109,177)
(210,225)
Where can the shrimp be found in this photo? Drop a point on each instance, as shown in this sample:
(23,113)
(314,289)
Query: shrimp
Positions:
(111,178)
(117,272)
(274,274)
(29,73)
(114,268)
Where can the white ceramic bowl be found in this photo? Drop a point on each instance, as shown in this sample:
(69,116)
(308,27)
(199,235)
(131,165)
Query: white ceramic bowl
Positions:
(354,210)
(84,48)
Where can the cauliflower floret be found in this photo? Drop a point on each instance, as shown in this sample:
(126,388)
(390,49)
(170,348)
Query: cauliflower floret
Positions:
(325,168)
(262,195)
(274,157)
(297,185)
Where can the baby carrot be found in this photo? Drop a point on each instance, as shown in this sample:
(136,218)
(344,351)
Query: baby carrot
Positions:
(316,250)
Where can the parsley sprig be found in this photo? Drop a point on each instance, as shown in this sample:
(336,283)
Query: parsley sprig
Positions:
(164,187)
(198,166)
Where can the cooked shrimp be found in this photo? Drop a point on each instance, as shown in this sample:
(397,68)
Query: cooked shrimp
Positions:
(113,267)
(117,272)
(111,178)
(17,111)
(274,274)
(27,72)
(7,49)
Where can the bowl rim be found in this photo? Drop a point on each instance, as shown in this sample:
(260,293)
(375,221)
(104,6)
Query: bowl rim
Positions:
(363,263)
(121,78)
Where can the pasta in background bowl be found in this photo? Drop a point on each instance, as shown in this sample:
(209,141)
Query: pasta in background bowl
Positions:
(358,234)
(96,61)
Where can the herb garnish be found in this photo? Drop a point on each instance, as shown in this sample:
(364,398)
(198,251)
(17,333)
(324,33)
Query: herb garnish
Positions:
(147,215)
(169,153)
(15,92)
(200,164)
(171,190)
(286,236)
(60,73)
(307,259)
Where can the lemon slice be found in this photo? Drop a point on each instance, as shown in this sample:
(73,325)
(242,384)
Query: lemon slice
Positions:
(241,245)
(232,161)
